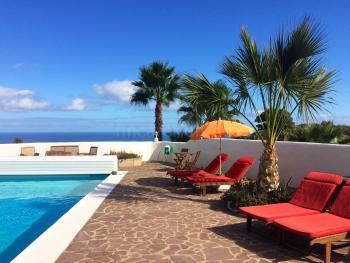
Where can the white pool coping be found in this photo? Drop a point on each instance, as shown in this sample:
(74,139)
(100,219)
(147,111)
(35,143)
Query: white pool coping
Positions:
(51,244)
(57,165)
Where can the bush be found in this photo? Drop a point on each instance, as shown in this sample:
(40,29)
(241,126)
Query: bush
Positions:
(17,140)
(124,155)
(180,136)
(246,193)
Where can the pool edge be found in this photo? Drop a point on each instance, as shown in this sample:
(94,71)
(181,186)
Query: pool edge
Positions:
(52,243)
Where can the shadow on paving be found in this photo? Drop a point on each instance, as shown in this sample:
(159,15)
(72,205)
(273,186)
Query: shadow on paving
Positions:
(152,185)
(157,189)
(295,246)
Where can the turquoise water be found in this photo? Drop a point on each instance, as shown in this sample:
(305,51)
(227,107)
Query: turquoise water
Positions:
(31,204)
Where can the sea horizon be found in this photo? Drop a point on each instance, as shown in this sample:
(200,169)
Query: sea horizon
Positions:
(30,137)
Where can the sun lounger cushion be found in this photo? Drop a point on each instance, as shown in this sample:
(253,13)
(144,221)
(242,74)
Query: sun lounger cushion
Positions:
(315,190)
(313,226)
(239,168)
(341,206)
(311,197)
(201,179)
(269,213)
(214,165)
(185,173)
(335,222)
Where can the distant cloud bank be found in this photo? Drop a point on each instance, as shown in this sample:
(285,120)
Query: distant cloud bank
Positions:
(78,104)
(120,92)
(115,91)
(20,100)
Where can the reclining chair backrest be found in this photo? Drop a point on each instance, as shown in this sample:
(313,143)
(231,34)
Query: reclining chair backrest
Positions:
(214,166)
(341,205)
(28,151)
(316,190)
(72,149)
(57,148)
(93,150)
(239,168)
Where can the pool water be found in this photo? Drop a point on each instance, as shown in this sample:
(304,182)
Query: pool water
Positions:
(31,204)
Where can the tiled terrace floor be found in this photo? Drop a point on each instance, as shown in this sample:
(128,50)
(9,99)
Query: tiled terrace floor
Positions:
(147,219)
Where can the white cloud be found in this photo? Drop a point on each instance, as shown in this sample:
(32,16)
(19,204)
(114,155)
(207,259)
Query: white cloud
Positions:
(337,119)
(20,100)
(78,104)
(116,91)
(174,106)
(18,66)
(120,92)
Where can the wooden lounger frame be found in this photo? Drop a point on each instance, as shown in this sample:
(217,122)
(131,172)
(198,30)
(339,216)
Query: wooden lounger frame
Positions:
(325,240)
(203,185)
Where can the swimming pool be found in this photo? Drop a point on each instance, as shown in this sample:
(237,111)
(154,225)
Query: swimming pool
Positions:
(31,204)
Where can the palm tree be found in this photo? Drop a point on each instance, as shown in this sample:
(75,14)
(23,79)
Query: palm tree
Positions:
(204,101)
(157,82)
(286,76)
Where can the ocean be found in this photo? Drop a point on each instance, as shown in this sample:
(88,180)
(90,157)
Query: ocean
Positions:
(8,137)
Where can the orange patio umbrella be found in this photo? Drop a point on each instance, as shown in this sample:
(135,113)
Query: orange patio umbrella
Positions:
(220,129)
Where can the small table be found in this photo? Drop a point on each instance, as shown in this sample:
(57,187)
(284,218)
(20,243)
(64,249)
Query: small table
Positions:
(182,159)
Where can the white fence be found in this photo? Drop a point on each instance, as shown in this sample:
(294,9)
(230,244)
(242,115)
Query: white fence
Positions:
(295,159)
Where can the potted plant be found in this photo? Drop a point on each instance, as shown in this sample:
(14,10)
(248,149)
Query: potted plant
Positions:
(126,159)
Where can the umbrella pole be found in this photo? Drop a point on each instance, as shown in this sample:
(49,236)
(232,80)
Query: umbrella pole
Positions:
(220,156)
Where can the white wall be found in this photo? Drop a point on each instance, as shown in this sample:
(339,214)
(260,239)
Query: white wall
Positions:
(145,149)
(295,159)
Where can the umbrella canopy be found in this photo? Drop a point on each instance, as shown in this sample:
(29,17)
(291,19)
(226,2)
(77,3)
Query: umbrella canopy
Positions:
(221,128)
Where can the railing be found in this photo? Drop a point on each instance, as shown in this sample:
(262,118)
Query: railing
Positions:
(49,165)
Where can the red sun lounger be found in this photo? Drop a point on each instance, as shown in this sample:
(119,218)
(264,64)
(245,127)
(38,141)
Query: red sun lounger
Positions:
(311,197)
(235,173)
(212,168)
(323,228)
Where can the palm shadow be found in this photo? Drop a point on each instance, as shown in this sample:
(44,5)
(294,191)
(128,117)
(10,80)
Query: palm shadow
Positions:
(263,241)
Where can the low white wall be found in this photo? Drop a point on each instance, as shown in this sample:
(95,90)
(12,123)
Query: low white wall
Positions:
(295,159)
(145,149)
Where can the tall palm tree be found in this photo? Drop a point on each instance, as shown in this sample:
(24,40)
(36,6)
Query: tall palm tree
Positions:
(286,76)
(203,100)
(159,83)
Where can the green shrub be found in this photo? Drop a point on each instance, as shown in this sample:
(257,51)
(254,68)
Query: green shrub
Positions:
(17,140)
(124,155)
(247,193)
(180,136)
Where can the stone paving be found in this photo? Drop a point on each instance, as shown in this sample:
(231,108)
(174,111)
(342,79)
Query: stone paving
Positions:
(147,219)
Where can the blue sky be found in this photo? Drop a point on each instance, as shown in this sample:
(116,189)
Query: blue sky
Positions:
(67,65)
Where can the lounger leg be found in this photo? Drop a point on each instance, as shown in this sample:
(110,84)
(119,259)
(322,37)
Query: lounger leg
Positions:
(249,223)
(328,251)
(176,180)
(182,180)
(204,190)
(281,237)
(194,188)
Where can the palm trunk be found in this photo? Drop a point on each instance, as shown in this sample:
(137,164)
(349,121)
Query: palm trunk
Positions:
(268,169)
(159,120)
